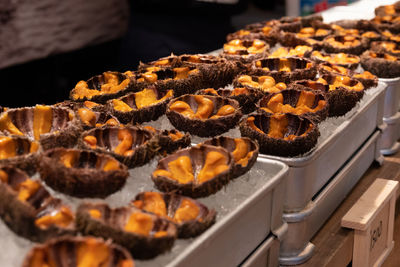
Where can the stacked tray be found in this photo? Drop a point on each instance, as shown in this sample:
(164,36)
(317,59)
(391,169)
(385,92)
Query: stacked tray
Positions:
(255,214)
(391,117)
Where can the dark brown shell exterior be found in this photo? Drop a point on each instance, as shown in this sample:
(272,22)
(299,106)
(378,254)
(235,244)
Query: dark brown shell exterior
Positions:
(306,131)
(164,62)
(186,229)
(102,116)
(168,145)
(207,127)
(64,251)
(65,126)
(24,158)
(379,47)
(96,82)
(246,100)
(382,24)
(382,10)
(367,82)
(243,56)
(299,69)
(217,70)
(351,66)
(20,216)
(379,66)
(165,81)
(291,97)
(229,144)
(341,100)
(251,35)
(353,49)
(197,154)
(149,113)
(144,143)
(85,178)
(111,224)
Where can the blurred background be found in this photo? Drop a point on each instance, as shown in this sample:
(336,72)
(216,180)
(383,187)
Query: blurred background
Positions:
(47,46)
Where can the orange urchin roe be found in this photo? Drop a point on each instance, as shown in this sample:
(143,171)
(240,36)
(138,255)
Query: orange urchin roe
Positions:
(309,32)
(285,65)
(8,125)
(237,46)
(180,170)
(187,211)
(162,62)
(90,104)
(389,9)
(111,165)
(266,30)
(370,34)
(343,31)
(386,19)
(343,41)
(239,91)
(205,108)
(148,76)
(300,50)
(150,128)
(193,59)
(280,52)
(61,218)
(304,104)
(27,188)
(129,73)
(241,153)
(383,55)
(110,121)
(8,147)
(342,81)
(251,124)
(87,116)
(215,163)
(42,120)
(366,75)
(336,68)
(139,223)
(121,106)
(390,46)
(243,32)
(111,85)
(277,127)
(183,72)
(391,36)
(175,135)
(224,111)
(339,58)
(90,140)
(3,176)
(94,213)
(152,202)
(92,253)
(148,97)
(68,158)
(211,91)
(265,83)
(126,140)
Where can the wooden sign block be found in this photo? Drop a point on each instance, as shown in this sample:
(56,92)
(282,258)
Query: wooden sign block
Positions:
(372,218)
